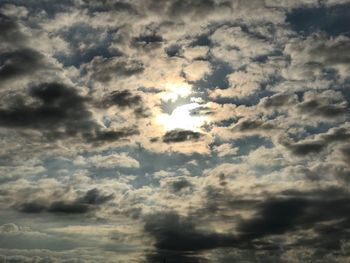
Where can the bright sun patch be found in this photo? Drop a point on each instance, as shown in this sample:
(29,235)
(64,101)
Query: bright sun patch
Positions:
(181,118)
(175,91)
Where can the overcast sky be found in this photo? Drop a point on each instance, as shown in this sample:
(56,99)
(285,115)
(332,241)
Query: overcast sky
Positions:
(177,131)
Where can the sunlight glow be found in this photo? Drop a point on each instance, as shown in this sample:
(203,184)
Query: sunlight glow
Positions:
(181,118)
(175,91)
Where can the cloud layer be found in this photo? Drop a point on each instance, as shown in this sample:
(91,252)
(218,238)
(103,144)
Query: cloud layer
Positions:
(174,131)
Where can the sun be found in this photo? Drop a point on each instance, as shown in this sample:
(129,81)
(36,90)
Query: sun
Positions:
(182,118)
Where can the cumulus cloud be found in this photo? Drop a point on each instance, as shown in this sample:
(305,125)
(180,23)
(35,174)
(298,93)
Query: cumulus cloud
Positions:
(177,131)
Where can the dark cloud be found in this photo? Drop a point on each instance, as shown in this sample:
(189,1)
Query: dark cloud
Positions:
(95,197)
(32,208)
(346,153)
(107,6)
(91,200)
(175,233)
(105,136)
(302,210)
(288,212)
(275,217)
(104,69)
(168,256)
(340,134)
(252,125)
(305,148)
(179,185)
(179,135)
(20,62)
(148,39)
(10,32)
(124,7)
(201,111)
(122,99)
(68,208)
(125,99)
(58,110)
(317,108)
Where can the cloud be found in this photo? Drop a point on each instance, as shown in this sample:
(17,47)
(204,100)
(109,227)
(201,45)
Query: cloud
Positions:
(83,151)
(175,233)
(21,62)
(225,149)
(125,99)
(278,101)
(328,104)
(301,211)
(311,56)
(304,148)
(91,200)
(106,69)
(58,111)
(113,160)
(11,32)
(180,136)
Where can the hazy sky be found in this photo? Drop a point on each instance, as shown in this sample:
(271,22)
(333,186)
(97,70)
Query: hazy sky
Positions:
(177,131)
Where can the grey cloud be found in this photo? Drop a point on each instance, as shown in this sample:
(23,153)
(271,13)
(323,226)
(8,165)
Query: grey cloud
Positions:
(179,185)
(57,107)
(111,6)
(305,148)
(125,99)
(175,233)
(112,135)
(92,199)
(196,7)
(148,39)
(122,99)
(251,125)
(68,208)
(278,100)
(289,212)
(178,135)
(95,197)
(21,62)
(300,210)
(105,69)
(338,134)
(10,32)
(58,112)
(318,108)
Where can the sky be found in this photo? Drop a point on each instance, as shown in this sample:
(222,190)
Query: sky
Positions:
(174,131)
